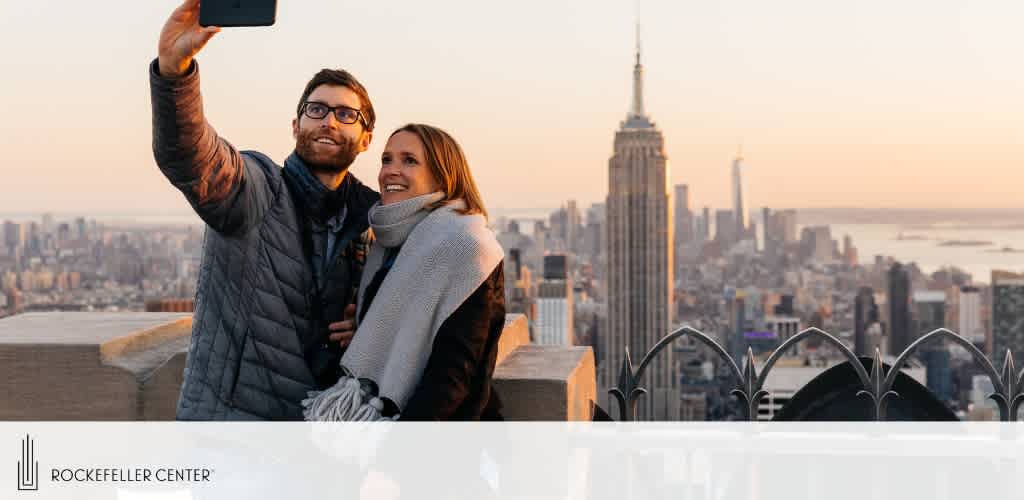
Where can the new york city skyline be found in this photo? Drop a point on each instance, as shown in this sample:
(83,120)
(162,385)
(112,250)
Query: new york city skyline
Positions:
(833,106)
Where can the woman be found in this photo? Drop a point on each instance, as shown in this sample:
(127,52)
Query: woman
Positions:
(431,302)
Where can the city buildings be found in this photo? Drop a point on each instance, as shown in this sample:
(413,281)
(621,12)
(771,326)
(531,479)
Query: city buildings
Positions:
(784,327)
(81,265)
(816,244)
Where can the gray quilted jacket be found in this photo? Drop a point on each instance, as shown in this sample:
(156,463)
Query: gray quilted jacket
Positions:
(256,305)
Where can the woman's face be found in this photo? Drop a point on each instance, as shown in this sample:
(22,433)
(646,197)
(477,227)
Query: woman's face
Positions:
(404,172)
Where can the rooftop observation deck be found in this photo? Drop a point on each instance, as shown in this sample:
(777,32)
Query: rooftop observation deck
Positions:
(129,366)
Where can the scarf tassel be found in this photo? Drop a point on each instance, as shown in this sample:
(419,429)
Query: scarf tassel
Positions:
(346,401)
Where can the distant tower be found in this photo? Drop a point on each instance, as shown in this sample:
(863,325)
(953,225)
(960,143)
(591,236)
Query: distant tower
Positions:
(725,227)
(970,326)
(739,203)
(899,309)
(865,315)
(639,238)
(683,221)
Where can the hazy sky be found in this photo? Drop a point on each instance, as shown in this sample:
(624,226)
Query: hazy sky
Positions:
(914,103)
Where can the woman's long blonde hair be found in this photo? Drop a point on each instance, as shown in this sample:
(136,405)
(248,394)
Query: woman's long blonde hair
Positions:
(448,164)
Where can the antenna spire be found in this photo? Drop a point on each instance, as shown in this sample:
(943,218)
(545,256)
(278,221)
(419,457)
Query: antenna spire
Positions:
(638,79)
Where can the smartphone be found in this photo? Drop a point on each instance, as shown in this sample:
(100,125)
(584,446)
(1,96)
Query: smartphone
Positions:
(237,12)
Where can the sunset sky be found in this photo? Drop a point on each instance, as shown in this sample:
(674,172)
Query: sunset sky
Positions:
(874,103)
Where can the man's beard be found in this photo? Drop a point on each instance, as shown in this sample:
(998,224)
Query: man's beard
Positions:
(322,162)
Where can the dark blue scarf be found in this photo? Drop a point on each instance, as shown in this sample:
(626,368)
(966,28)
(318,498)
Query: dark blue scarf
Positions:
(317,201)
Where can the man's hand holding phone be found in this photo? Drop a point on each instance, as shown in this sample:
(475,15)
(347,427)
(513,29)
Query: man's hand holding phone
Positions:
(182,38)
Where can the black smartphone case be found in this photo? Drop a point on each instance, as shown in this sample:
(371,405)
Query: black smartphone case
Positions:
(228,13)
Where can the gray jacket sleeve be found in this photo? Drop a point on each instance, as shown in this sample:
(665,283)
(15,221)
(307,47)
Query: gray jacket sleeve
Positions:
(229,190)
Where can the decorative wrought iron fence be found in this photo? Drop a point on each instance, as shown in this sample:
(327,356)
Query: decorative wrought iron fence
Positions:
(877,385)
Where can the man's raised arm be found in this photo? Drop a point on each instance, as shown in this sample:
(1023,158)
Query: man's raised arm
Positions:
(213,176)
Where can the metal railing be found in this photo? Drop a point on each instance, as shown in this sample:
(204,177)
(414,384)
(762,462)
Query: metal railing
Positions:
(877,385)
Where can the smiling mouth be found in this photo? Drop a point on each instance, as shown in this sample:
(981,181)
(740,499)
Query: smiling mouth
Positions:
(395,188)
(325,140)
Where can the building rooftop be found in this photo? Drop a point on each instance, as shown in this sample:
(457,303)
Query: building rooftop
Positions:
(930,296)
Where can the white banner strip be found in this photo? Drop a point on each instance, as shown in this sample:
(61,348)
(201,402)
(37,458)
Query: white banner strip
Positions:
(183,461)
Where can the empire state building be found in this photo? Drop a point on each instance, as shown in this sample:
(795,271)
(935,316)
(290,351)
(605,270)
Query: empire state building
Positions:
(640,258)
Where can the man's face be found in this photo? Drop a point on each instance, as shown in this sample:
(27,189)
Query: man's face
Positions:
(326,144)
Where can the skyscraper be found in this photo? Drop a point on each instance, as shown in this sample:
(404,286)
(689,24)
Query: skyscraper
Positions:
(930,314)
(81,228)
(554,323)
(899,309)
(970,316)
(725,228)
(739,202)
(14,235)
(767,225)
(930,311)
(683,222)
(683,216)
(573,227)
(787,224)
(705,228)
(48,224)
(865,314)
(850,255)
(640,256)
(593,236)
(1007,316)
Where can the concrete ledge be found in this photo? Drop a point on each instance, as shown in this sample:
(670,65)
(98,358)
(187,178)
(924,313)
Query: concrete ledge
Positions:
(146,352)
(79,328)
(164,337)
(158,393)
(63,382)
(515,335)
(130,366)
(547,383)
(84,366)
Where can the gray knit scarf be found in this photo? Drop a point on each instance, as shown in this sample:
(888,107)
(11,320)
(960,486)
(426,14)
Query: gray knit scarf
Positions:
(445,256)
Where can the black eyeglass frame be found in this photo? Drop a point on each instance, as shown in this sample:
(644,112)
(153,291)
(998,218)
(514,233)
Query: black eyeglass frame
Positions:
(335,110)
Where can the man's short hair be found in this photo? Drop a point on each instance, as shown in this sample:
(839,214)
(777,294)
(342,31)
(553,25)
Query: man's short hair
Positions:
(340,78)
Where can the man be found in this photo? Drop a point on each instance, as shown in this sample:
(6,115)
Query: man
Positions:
(283,249)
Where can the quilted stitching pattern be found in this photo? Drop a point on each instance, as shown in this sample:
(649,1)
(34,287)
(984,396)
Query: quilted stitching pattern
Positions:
(245,360)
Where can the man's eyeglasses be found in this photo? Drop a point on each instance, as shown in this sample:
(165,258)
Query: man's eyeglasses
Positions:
(344,114)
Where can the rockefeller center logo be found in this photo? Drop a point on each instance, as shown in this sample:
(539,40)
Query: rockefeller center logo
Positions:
(28,466)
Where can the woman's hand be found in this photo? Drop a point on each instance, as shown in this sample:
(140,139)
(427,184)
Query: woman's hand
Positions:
(342,331)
